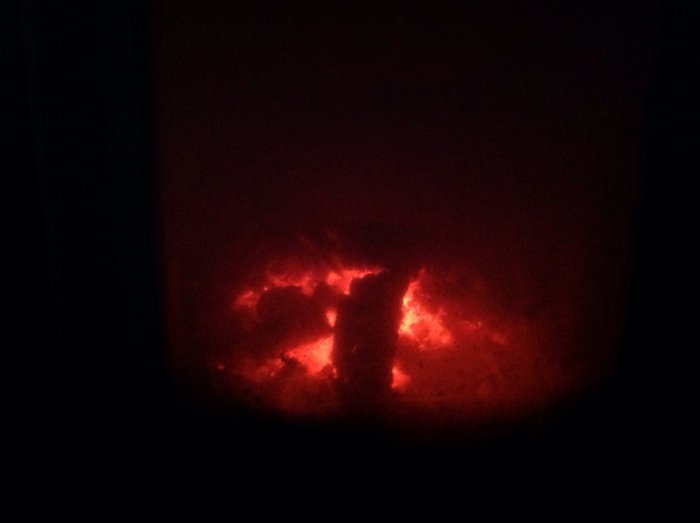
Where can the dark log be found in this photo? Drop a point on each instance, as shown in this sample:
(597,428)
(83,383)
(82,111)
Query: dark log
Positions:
(366,337)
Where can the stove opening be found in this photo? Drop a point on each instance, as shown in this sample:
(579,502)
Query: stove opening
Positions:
(410,217)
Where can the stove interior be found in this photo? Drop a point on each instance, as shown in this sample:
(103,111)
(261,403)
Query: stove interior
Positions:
(415,216)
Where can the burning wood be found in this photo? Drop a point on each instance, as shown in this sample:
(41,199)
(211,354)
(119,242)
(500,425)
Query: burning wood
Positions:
(358,340)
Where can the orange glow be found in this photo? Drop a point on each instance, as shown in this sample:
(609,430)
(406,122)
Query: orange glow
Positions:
(339,279)
(307,280)
(315,356)
(400,379)
(331,314)
(421,325)
(342,279)
(451,351)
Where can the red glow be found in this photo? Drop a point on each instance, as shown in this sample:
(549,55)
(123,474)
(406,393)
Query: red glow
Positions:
(462,357)
(261,372)
(400,379)
(338,279)
(306,281)
(247,299)
(341,279)
(421,325)
(314,356)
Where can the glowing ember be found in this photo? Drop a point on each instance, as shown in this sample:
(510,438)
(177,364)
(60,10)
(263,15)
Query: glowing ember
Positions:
(421,325)
(400,379)
(342,279)
(315,356)
(311,358)
(307,281)
(466,357)
(331,314)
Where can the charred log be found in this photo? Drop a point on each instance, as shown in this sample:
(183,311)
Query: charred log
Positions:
(366,340)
